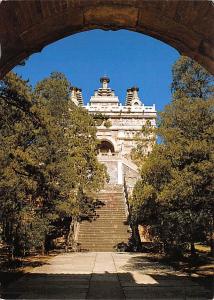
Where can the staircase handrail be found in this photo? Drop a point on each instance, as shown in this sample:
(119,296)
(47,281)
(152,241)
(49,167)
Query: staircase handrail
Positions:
(130,164)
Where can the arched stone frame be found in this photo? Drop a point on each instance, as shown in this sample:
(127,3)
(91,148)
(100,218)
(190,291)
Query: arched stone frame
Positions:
(27,27)
(110,140)
(106,146)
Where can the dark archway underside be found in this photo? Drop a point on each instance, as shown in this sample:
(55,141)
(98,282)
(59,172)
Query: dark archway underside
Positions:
(28,26)
(105,147)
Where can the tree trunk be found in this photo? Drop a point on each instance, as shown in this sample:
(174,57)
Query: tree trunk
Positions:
(70,236)
(43,249)
(193,252)
(136,238)
(212,244)
(12,252)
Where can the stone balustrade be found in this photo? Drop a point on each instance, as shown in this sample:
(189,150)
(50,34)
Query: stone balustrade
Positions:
(121,109)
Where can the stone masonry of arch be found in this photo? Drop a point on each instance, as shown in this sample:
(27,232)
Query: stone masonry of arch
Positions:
(27,27)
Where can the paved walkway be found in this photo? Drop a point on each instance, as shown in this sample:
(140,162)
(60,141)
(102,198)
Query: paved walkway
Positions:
(103,275)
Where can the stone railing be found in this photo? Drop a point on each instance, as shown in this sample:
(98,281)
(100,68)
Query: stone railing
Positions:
(122,164)
(116,157)
(122,109)
(129,164)
(108,155)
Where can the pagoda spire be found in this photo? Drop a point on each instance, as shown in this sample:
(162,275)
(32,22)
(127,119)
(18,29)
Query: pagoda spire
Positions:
(104,80)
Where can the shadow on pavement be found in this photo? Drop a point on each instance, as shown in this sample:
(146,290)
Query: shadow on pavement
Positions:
(103,286)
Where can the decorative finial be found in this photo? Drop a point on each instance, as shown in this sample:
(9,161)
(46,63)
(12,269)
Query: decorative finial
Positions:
(105,80)
(135,88)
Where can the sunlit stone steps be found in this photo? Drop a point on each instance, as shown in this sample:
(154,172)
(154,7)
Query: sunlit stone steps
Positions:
(110,225)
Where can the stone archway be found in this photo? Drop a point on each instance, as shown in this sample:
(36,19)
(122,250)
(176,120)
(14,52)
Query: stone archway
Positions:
(28,26)
(106,147)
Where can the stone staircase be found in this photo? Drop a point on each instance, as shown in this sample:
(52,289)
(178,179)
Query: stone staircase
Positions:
(109,228)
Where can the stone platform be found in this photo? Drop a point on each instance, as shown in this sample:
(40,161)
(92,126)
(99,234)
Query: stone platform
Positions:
(104,275)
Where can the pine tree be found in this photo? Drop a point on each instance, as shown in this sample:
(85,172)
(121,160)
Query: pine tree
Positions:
(77,170)
(175,193)
(21,181)
(48,158)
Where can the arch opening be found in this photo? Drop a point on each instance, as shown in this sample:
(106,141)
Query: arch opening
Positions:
(106,147)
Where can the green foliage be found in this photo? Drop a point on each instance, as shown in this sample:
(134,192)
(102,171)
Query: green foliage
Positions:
(48,158)
(145,141)
(107,124)
(175,194)
(191,80)
(99,118)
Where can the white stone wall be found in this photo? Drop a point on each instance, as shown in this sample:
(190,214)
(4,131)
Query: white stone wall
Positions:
(126,122)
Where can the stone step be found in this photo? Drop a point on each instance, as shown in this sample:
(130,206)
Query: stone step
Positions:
(106,221)
(96,232)
(105,216)
(110,210)
(108,195)
(114,202)
(108,218)
(110,205)
(104,244)
(90,241)
(105,248)
(99,249)
(115,227)
(103,230)
(102,216)
(110,214)
(109,228)
(105,225)
(99,236)
(89,237)
(107,240)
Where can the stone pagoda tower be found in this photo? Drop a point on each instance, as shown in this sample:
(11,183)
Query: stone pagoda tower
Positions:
(117,126)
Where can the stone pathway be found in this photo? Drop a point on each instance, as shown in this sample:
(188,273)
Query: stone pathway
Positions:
(103,275)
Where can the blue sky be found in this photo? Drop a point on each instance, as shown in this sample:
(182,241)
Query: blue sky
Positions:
(128,58)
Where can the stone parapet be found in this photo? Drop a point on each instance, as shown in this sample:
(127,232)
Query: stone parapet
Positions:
(120,108)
